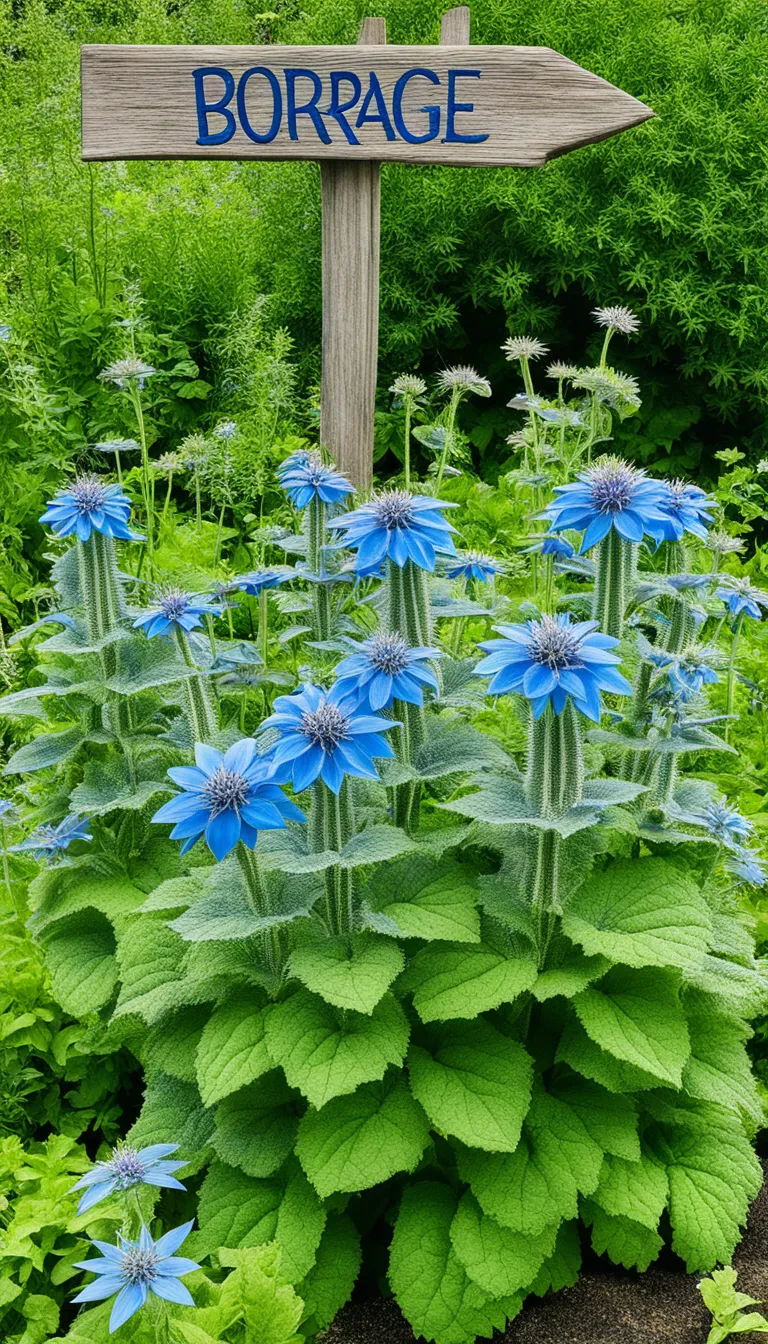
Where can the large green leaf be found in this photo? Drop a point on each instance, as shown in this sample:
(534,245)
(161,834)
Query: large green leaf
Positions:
(499,1260)
(431,1286)
(357,1141)
(149,957)
(233,1048)
(610,1120)
(453,747)
(226,911)
(80,954)
(636,1015)
(474,1084)
(640,913)
(87,882)
(172,1107)
(719,1068)
(625,1241)
(330,1282)
(636,1190)
(256,1127)
(327,1052)
(427,900)
(171,1047)
(578,1050)
(44,751)
(352,972)
(449,981)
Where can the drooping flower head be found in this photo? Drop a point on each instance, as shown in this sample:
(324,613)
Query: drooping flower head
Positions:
(399,526)
(52,841)
(258,579)
(687,508)
(618,390)
(90,505)
(123,372)
(126,1168)
(549,659)
(173,609)
(326,735)
(691,671)
(462,379)
(309,478)
(476,565)
(408,386)
(383,669)
(112,446)
(722,543)
(557,546)
(134,1269)
(611,494)
(524,347)
(620,318)
(227,797)
(748,867)
(226,430)
(741,597)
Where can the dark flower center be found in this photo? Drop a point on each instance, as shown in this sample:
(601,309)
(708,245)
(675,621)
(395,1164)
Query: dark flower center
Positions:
(388,653)
(127,1166)
(139,1266)
(225,790)
(612,484)
(325,726)
(394,509)
(553,644)
(88,494)
(172,602)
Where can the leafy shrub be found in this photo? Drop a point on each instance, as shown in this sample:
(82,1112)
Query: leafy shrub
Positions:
(499,985)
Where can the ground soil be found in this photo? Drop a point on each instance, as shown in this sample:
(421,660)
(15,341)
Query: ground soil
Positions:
(606,1306)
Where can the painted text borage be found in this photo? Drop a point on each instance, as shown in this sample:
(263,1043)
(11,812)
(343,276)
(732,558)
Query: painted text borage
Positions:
(351,108)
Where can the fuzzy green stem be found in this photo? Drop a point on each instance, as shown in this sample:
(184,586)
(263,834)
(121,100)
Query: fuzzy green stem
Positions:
(611,583)
(682,626)
(331,826)
(167,504)
(201,710)
(102,593)
(263,625)
(663,789)
(407,461)
(731,686)
(543,879)
(272,940)
(555,772)
(449,431)
(407,603)
(148,484)
(217,546)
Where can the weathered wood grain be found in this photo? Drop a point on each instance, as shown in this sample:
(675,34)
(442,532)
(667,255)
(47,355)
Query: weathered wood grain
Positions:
(454,27)
(532,103)
(351,195)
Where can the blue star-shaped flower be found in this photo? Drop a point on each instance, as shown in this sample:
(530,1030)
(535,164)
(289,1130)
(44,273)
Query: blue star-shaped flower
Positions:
(748,867)
(611,494)
(326,735)
(742,597)
(126,1168)
(549,659)
(475,565)
(383,669)
(227,797)
(90,505)
(686,508)
(310,478)
(398,526)
(134,1269)
(52,841)
(172,610)
(257,579)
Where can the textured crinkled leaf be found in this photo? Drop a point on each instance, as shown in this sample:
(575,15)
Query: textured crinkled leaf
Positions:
(301,1222)
(430,1285)
(623,1240)
(611,792)
(611,1120)
(111,783)
(226,910)
(80,955)
(641,913)
(453,747)
(172,1111)
(463,981)
(375,844)
(577,1049)
(327,1052)
(636,1190)
(636,1015)
(561,1268)
(256,1127)
(233,1048)
(538,1184)
(501,801)
(573,973)
(171,1047)
(738,989)
(144,663)
(498,1259)
(176,893)
(713,1175)
(234,1210)
(329,1283)
(357,1141)
(719,1068)
(474,1084)
(268,1307)
(57,892)
(150,957)
(427,900)
(44,751)
(353,972)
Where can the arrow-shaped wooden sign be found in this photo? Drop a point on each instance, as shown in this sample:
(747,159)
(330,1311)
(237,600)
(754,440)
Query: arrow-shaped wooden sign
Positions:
(352,108)
(481,106)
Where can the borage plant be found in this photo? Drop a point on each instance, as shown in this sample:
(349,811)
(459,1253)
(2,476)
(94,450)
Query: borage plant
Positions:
(477,999)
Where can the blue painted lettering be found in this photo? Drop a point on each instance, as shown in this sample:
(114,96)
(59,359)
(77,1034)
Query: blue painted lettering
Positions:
(452,136)
(375,95)
(260,137)
(432,111)
(336,108)
(308,109)
(204,108)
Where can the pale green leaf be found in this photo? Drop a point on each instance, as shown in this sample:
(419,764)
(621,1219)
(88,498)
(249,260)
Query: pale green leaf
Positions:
(171,1047)
(80,955)
(233,1048)
(331,1279)
(353,972)
(498,1259)
(357,1141)
(173,1113)
(256,1127)
(463,981)
(234,1210)
(636,1016)
(719,1068)
(636,1190)
(42,752)
(427,900)
(623,1240)
(561,1268)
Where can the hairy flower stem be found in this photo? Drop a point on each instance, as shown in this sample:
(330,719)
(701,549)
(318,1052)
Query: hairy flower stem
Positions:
(272,942)
(147,479)
(316,539)
(555,771)
(407,614)
(331,826)
(407,459)
(663,789)
(102,593)
(731,684)
(544,885)
(615,565)
(682,626)
(201,710)
(263,625)
(167,504)
(450,426)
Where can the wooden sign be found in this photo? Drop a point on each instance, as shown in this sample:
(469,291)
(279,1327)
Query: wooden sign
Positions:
(481,106)
(352,108)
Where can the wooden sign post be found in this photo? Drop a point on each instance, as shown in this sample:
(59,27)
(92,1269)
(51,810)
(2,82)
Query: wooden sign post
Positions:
(351,108)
